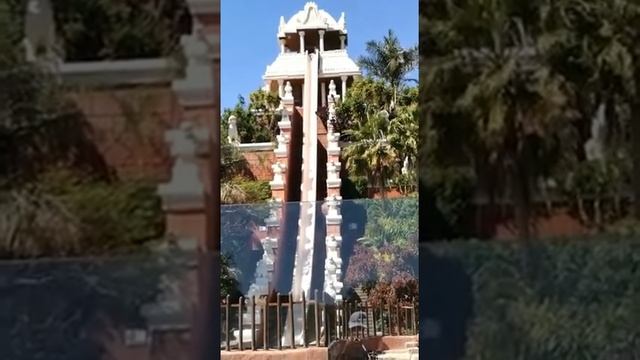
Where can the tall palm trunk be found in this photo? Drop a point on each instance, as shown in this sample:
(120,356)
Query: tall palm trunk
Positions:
(381,182)
(635,156)
(523,203)
(522,197)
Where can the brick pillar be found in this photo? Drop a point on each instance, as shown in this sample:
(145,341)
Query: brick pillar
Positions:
(195,92)
(184,196)
(333,262)
(269,238)
(333,147)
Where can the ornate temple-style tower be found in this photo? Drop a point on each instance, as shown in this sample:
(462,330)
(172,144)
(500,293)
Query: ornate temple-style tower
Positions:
(311,74)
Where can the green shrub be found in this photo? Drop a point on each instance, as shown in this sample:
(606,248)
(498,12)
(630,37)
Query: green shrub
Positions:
(575,300)
(453,189)
(257,191)
(354,187)
(228,278)
(391,222)
(125,29)
(91,217)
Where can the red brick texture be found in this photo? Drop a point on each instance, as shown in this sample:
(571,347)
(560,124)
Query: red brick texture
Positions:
(128,126)
(259,164)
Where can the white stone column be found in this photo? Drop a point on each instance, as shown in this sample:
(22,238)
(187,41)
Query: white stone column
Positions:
(342,41)
(321,33)
(301,33)
(344,86)
(267,85)
(282,49)
(323,93)
(280,87)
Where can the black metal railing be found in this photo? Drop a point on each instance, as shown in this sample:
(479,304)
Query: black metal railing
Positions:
(322,321)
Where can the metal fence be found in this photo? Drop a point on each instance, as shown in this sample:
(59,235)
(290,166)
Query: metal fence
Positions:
(322,322)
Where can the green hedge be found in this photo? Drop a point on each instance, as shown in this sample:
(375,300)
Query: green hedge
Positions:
(65,215)
(257,191)
(559,300)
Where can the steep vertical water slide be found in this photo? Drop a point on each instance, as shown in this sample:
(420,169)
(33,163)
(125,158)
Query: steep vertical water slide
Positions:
(303,267)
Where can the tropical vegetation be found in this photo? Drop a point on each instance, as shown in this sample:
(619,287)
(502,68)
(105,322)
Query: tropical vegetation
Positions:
(531,107)
(378,120)
(535,94)
(91,30)
(579,302)
(71,231)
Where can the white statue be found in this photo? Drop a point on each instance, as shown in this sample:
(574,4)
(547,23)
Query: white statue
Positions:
(332,170)
(288,91)
(332,89)
(405,166)
(183,143)
(233,137)
(185,174)
(594,147)
(278,171)
(39,30)
(282,144)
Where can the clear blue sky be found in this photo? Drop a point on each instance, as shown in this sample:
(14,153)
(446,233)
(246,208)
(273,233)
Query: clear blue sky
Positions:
(249,34)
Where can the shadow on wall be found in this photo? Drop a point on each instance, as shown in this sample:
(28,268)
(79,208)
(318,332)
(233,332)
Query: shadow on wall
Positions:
(65,139)
(446,304)
(446,299)
(354,218)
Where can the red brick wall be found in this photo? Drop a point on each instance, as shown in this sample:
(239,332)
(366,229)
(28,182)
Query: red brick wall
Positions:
(129,126)
(165,345)
(259,164)
(499,223)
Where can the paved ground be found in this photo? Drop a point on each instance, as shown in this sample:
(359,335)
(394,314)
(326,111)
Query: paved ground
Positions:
(295,354)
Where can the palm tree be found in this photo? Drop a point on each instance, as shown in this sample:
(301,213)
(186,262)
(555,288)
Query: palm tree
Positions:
(607,37)
(370,153)
(489,70)
(403,133)
(389,61)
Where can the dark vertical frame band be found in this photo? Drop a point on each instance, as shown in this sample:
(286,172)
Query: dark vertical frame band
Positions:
(206,344)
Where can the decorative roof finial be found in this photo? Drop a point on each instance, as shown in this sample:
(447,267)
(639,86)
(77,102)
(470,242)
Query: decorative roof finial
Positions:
(342,22)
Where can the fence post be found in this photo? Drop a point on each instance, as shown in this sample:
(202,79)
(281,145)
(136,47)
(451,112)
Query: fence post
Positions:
(390,319)
(366,311)
(339,321)
(279,321)
(293,336)
(253,322)
(316,314)
(325,310)
(373,313)
(304,320)
(398,318)
(348,318)
(382,318)
(366,319)
(343,306)
(227,322)
(265,346)
(415,317)
(240,324)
